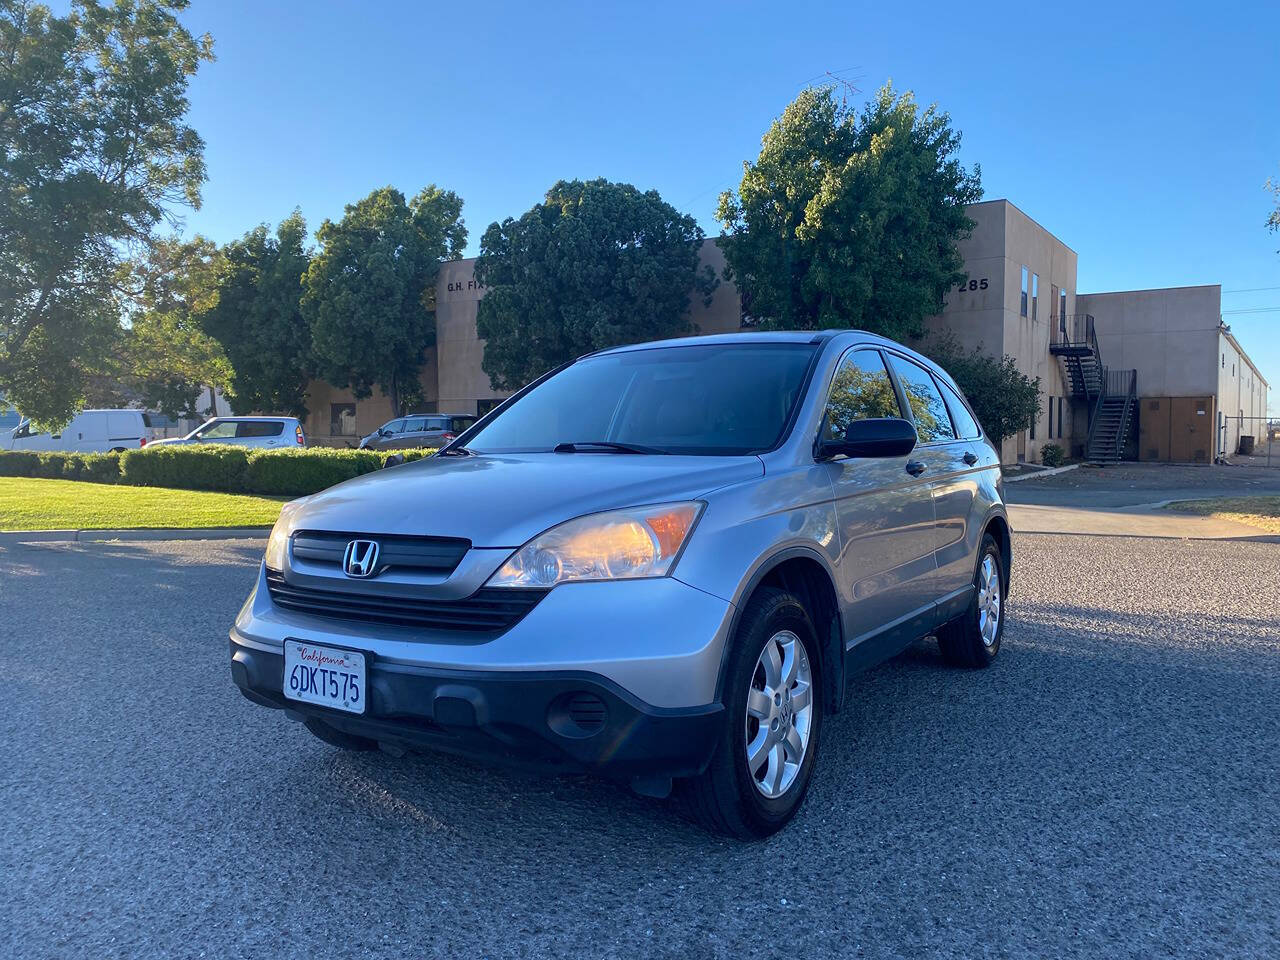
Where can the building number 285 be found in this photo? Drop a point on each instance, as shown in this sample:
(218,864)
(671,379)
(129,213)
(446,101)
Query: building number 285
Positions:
(973,285)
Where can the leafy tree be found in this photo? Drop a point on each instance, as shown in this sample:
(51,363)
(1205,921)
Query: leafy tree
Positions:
(94,150)
(258,318)
(596,265)
(165,357)
(847,221)
(369,292)
(1005,400)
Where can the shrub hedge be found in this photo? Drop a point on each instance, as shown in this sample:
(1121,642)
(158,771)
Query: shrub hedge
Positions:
(207,466)
(1052,455)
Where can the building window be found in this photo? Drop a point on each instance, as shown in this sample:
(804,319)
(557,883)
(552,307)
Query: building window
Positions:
(1035,293)
(1023,310)
(1061,401)
(342,419)
(1224,361)
(1051,418)
(1033,425)
(1062,309)
(484,406)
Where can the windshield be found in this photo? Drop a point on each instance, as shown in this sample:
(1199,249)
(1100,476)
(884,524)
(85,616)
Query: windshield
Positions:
(704,399)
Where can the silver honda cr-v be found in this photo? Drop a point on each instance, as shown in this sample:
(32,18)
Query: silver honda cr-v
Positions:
(660,562)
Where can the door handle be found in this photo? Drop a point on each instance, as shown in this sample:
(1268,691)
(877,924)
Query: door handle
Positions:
(971,458)
(915,467)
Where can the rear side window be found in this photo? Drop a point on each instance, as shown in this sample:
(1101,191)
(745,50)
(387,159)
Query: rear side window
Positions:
(260,428)
(415,424)
(927,409)
(966,426)
(860,390)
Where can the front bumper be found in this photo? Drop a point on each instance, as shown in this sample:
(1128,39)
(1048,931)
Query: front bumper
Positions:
(551,721)
(644,655)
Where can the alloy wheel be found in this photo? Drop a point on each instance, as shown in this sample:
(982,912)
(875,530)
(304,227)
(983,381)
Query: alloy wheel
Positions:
(779,714)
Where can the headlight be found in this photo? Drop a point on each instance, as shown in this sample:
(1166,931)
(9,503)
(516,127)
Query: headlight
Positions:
(618,545)
(278,542)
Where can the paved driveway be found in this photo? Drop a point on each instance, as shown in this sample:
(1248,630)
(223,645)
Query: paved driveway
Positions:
(1110,789)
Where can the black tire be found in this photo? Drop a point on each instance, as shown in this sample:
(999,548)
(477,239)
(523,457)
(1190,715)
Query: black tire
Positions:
(336,738)
(961,640)
(725,797)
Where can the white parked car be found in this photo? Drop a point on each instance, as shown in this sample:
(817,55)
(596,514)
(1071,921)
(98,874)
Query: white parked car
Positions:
(274,433)
(90,431)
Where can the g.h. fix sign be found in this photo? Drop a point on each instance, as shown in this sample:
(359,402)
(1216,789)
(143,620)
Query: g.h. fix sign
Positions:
(461,287)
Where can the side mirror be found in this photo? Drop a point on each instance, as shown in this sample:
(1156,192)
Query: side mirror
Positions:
(878,437)
(393,461)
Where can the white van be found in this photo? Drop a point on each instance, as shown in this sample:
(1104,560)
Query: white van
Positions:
(91,431)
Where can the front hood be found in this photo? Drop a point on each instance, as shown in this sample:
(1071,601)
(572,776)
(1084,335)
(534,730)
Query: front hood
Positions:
(506,500)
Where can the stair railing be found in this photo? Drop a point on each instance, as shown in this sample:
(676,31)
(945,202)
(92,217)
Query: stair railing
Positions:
(1097,408)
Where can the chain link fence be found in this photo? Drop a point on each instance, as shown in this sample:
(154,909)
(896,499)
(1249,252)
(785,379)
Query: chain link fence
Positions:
(1254,441)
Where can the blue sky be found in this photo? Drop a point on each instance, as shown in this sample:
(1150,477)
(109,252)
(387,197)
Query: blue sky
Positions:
(1140,138)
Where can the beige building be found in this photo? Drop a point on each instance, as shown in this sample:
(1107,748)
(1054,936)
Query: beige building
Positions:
(1149,373)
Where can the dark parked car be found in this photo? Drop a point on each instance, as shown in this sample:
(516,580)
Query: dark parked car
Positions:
(417,430)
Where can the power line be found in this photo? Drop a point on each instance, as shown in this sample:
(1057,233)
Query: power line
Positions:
(1251,290)
(1226,313)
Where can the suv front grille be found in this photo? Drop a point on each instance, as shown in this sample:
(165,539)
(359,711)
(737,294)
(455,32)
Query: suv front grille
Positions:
(428,554)
(490,610)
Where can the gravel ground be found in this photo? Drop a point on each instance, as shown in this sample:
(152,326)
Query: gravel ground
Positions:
(1108,789)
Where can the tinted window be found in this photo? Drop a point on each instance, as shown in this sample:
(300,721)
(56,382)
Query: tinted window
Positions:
(927,408)
(218,430)
(966,425)
(394,426)
(860,390)
(415,424)
(704,399)
(260,428)
(462,423)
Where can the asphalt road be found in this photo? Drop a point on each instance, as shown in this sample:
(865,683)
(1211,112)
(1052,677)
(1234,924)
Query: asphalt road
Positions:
(1130,484)
(1111,788)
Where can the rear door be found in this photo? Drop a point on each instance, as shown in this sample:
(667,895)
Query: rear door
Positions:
(124,428)
(886,519)
(949,467)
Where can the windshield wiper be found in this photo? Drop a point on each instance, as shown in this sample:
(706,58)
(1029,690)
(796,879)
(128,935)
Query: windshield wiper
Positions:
(604,446)
(456,452)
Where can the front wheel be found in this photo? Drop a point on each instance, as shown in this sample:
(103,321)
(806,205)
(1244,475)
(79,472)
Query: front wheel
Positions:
(973,639)
(773,714)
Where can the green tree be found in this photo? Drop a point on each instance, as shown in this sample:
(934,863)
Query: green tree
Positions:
(164,357)
(1005,400)
(850,221)
(94,153)
(258,318)
(369,293)
(596,265)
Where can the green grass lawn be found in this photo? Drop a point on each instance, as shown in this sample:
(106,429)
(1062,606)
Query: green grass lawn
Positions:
(27,504)
(1260,512)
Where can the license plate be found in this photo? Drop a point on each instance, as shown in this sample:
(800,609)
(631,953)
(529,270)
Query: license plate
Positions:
(324,676)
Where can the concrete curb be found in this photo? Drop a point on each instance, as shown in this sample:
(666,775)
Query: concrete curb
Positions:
(1042,473)
(155,533)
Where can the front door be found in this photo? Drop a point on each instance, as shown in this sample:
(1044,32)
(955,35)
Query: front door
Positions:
(886,520)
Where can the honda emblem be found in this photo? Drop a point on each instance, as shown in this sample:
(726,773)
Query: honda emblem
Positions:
(360,558)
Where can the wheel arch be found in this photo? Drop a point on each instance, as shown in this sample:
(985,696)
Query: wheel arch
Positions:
(805,574)
(997,525)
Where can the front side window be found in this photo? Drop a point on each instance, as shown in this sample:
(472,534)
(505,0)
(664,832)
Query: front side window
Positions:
(966,425)
(860,390)
(927,408)
(342,419)
(706,399)
(217,430)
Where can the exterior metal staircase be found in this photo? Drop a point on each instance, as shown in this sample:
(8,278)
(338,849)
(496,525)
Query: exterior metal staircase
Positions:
(1111,395)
